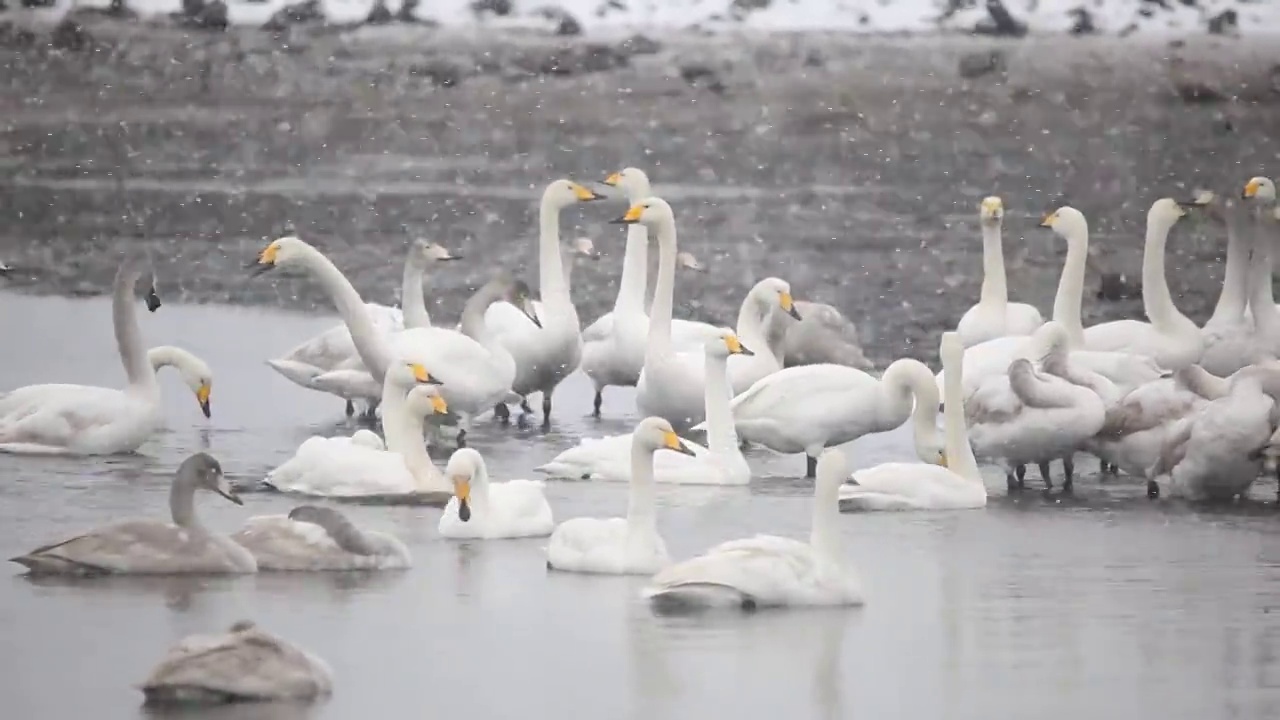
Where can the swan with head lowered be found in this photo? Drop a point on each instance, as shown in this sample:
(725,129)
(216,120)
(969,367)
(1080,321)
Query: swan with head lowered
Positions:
(484,510)
(767,570)
(546,353)
(334,349)
(994,316)
(359,466)
(61,419)
(153,547)
(475,374)
(621,546)
(720,463)
(318,538)
(954,484)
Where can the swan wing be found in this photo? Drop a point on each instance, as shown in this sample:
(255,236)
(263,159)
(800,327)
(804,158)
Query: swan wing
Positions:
(337,467)
(133,546)
(280,543)
(793,386)
(767,570)
(588,545)
(57,416)
(244,665)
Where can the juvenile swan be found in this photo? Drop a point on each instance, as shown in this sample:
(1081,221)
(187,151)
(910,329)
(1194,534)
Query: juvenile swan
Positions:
(151,546)
(311,537)
(243,665)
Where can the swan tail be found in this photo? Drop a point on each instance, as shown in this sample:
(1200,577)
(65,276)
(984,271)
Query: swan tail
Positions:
(698,597)
(295,372)
(37,563)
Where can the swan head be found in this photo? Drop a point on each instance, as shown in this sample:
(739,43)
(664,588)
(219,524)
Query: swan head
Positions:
(563,193)
(832,470)
(773,292)
(278,252)
(632,181)
(1166,211)
(408,374)
(425,400)
(1260,188)
(196,375)
(368,439)
(687,261)
(518,293)
(425,251)
(650,212)
(203,472)
(654,434)
(464,465)
(1052,338)
(726,343)
(991,211)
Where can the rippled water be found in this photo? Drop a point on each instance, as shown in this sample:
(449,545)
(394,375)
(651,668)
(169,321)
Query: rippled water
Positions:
(1102,605)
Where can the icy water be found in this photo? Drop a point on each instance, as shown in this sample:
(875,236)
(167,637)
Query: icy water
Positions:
(1103,605)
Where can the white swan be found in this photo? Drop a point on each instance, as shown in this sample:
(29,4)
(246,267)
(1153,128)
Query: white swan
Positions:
(1026,416)
(1233,339)
(1217,452)
(954,485)
(621,546)
(358,466)
(334,349)
(245,664)
(318,538)
(151,546)
(548,354)
(1137,428)
(488,510)
(1170,338)
(86,420)
(767,570)
(809,408)
(475,375)
(720,463)
(994,316)
(195,373)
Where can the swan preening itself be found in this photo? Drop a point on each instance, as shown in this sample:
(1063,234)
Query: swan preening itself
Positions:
(245,664)
(311,537)
(149,547)
(621,546)
(766,570)
(87,420)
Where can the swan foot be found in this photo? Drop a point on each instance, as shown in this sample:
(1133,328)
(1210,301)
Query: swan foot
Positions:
(1069,471)
(811,467)
(502,412)
(462,439)
(1021,472)
(1011,482)
(595,404)
(1153,489)
(524,406)
(1044,474)
(546,410)
(351,408)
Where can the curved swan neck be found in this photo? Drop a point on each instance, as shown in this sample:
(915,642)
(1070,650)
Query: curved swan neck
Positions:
(907,381)
(1261,300)
(751,324)
(403,433)
(472,322)
(959,452)
(641,497)
(165,356)
(722,436)
(663,290)
(124,320)
(553,286)
(1157,302)
(412,302)
(370,344)
(1066,304)
(635,271)
(995,291)
(1236,278)
(182,504)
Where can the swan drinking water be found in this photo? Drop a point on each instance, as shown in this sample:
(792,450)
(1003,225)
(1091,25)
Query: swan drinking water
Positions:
(151,546)
(621,546)
(311,537)
(994,316)
(488,510)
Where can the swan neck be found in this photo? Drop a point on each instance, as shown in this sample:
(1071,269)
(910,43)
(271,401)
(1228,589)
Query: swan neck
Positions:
(1066,304)
(825,535)
(552,283)
(1261,299)
(1157,302)
(722,437)
(1236,280)
(402,431)
(906,382)
(641,515)
(182,504)
(663,290)
(995,291)
(472,322)
(751,325)
(124,320)
(371,346)
(412,302)
(960,457)
(635,271)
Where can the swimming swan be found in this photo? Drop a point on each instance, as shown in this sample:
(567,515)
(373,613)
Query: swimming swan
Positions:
(621,546)
(488,510)
(151,546)
(994,316)
(767,570)
(311,537)
(244,664)
(720,463)
(547,354)
(954,485)
(86,420)
(357,467)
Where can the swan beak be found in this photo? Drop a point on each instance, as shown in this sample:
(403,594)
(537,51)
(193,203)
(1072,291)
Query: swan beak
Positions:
(1250,189)
(266,261)
(613,180)
(421,375)
(225,491)
(735,346)
(586,194)
(153,298)
(632,216)
(1202,198)
(449,257)
(1047,220)
(462,491)
(788,305)
(673,442)
(439,406)
(202,396)
(530,312)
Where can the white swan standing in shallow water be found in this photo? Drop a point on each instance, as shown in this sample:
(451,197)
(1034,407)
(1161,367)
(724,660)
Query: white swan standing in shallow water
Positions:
(487,510)
(720,463)
(994,316)
(548,354)
(334,349)
(955,485)
(311,537)
(621,546)
(767,570)
(359,466)
(151,546)
(87,420)
(245,664)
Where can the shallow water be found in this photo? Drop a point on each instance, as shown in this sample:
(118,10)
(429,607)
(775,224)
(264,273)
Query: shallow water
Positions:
(1100,605)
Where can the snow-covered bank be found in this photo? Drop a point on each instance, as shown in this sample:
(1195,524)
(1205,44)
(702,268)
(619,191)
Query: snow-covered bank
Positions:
(1112,17)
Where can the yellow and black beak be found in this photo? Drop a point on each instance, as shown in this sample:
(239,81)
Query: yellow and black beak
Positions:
(1047,220)
(613,180)
(1251,189)
(736,347)
(632,217)
(153,298)
(462,491)
(266,261)
(439,406)
(202,396)
(789,306)
(671,441)
(586,194)
(421,375)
